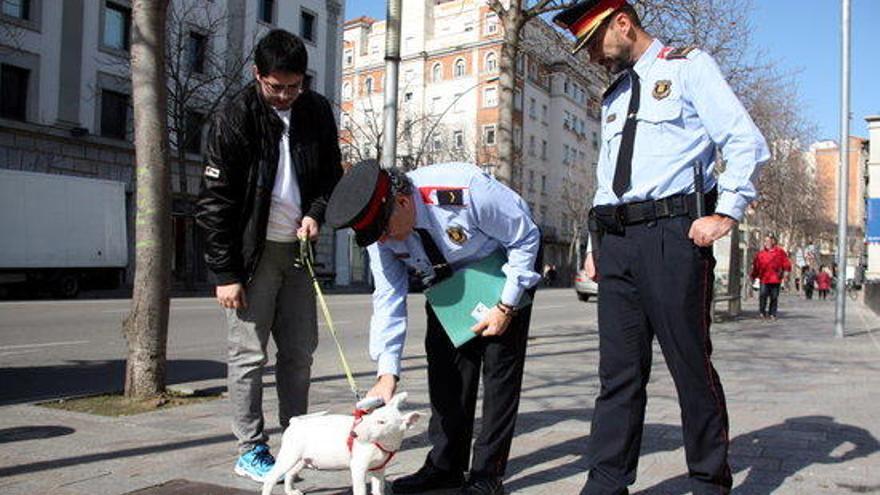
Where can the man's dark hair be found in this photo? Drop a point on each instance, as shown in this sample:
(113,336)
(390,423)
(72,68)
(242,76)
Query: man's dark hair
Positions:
(281,51)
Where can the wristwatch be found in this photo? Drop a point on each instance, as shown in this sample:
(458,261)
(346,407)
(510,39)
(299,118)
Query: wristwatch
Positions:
(507,309)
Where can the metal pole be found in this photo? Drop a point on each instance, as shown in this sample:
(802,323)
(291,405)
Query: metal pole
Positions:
(392,64)
(843,181)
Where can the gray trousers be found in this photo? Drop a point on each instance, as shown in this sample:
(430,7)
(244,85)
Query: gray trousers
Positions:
(280,301)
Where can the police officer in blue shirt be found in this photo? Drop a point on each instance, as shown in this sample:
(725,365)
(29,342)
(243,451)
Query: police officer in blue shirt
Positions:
(431,222)
(657,211)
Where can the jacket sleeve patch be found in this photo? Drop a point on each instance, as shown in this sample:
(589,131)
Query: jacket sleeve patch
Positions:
(450,197)
(212,172)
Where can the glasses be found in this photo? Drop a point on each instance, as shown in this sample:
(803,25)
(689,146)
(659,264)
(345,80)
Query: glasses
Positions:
(278,89)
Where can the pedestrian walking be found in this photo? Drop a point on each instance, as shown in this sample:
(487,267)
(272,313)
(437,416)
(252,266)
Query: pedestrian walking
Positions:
(809,276)
(823,282)
(434,221)
(272,161)
(771,266)
(662,119)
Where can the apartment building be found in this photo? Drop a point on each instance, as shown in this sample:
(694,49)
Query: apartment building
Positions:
(448,109)
(66,86)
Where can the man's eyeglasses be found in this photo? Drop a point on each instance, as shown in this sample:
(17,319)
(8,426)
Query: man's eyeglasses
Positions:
(277,89)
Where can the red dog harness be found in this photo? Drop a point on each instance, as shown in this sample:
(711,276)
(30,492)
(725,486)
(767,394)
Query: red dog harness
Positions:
(358,417)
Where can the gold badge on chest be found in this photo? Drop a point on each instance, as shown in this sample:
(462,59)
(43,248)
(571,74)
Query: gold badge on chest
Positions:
(662,89)
(456,234)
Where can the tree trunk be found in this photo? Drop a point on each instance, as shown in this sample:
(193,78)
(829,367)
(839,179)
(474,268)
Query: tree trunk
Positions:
(146,327)
(513,21)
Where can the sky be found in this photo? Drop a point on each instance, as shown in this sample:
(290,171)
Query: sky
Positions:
(804,38)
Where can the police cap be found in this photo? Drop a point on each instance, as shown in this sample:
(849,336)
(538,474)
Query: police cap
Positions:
(584,18)
(362,201)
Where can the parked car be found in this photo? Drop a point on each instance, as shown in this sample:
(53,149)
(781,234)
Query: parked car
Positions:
(584,287)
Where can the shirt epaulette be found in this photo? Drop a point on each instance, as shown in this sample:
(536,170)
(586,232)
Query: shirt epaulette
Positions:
(670,53)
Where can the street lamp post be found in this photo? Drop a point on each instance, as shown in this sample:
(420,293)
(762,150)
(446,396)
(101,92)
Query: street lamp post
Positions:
(843,180)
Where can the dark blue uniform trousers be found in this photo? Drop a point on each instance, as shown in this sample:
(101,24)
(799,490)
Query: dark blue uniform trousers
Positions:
(655,281)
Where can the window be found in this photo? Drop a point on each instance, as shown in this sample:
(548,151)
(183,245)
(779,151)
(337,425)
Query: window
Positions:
(346,91)
(532,104)
(468,27)
(517,136)
(436,142)
(458,139)
(531,180)
(544,149)
(437,73)
(490,97)
(565,151)
(343,120)
(408,96)
(13,92)
(544,113)
(566,120)
(491,23)
(368,86)
(489,135)
(491,62)
(117,27)
(307,26)
(595,140)
(518,99)
(196,48)
(532,145)
(543,183)
(349,57)
(17,8)
(193,131)
(114,114)
(266,11)
(459,68)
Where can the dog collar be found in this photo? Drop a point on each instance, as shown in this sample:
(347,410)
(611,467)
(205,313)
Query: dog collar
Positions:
(358,417)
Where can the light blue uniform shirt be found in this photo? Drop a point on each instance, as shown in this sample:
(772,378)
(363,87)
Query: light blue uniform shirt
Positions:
(490,217)
(686,109)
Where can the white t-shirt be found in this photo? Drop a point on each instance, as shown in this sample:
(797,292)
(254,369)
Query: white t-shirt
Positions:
(285,213)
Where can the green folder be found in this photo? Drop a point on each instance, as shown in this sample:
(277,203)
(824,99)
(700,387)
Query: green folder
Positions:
(462,300)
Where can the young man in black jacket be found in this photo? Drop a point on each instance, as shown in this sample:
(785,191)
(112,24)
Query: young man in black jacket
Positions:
(272,162)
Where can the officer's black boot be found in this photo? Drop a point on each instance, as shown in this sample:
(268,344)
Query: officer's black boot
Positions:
(482,485)
(428,478)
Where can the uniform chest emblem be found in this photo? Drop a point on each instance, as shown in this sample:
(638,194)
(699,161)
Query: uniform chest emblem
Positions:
(662,89)
(610,118)
(456,234)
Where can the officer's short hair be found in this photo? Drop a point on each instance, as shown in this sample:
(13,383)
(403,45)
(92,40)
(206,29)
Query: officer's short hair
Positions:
(400,182)
(281,51)
(630,12)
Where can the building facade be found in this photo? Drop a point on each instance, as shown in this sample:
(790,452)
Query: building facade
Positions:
(448,110)
(66,87)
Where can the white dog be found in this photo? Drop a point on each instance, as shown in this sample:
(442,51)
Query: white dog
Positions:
(363,443)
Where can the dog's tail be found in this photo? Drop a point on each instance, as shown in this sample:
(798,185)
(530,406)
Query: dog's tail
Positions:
(307,416)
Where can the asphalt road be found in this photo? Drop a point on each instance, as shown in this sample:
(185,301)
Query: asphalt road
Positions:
(53,349)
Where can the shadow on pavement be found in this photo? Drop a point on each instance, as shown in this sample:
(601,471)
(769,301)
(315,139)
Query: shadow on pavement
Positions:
(782,450)
(28,384)
(37,432)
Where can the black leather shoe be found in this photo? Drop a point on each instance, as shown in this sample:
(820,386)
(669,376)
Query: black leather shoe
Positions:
(483,486)
(426,479)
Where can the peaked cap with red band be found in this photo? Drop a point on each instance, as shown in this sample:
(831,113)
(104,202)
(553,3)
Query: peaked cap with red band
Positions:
(362,201)
(583,19)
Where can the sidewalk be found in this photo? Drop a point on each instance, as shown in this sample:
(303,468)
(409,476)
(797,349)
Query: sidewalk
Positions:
(804,411)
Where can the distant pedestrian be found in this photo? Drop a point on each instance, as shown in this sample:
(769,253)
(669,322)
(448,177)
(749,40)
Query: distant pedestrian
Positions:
(809,277)
(770,266)
(823,282)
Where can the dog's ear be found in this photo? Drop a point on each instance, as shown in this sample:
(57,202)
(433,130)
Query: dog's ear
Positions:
(410,419)
(398,400)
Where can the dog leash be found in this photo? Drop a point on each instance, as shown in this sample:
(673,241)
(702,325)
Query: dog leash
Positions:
(306,258)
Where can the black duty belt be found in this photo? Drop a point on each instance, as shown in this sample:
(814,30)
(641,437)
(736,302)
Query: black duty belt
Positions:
(612,218)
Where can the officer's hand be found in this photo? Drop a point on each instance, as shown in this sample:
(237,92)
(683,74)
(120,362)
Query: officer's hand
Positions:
(308,228)
(590,267)
(231,296)
(384,388)
(494,324)
(704,231)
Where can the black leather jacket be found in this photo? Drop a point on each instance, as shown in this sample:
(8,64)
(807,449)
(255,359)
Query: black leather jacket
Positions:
(241,161)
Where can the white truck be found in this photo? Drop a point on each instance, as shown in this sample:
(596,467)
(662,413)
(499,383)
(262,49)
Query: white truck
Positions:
(60,232)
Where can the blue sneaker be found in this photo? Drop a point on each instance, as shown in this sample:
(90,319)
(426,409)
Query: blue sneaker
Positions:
(255,464)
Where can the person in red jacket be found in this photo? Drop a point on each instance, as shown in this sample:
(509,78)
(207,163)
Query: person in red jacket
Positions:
(770,266)
(823,282)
